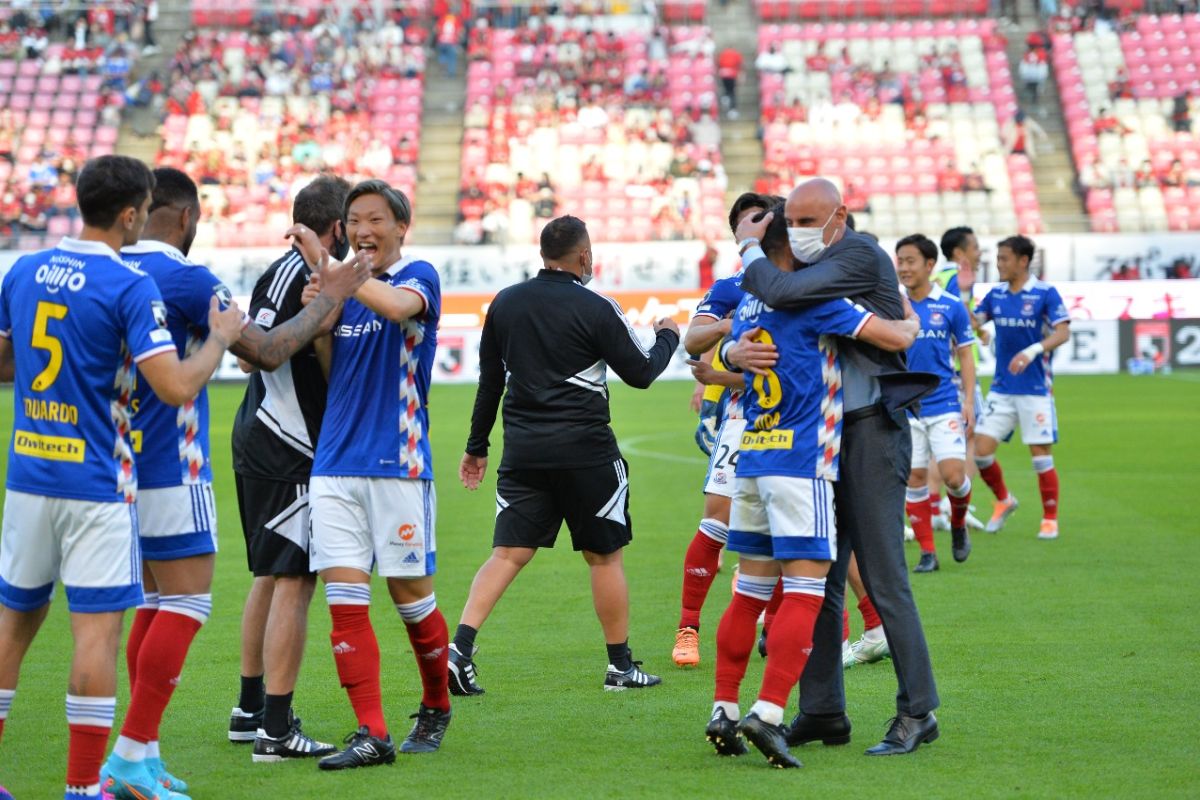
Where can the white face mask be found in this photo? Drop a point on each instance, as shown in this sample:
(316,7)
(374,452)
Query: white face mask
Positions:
(809,243)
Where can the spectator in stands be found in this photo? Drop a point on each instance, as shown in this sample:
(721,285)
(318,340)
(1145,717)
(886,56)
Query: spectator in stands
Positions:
(1174,175)
(729,67)
(495,224)
(771,61)
(818,61)
(10,40)
(449,34)
(949,179)
(42,172)
(593,170)
(1123,176)
(1119,88)
(35,42)
(1181,115)
(62,198)
(707,262)
(545,206)
(1034,69)
(1021,135)
(973,180)
(1144,176)
(33,213)
(1106,122)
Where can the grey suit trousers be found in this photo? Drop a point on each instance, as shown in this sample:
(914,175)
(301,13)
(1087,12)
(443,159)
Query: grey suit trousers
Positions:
(875,462)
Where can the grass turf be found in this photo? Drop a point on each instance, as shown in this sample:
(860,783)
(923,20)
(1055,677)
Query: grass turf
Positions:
(1066,668)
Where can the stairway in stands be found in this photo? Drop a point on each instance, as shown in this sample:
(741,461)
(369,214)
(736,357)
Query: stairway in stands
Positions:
(736,25)
(139,136)
(435,208)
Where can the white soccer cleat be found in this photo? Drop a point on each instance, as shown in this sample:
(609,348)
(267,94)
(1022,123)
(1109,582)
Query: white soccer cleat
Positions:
(868,651)
(941,520)
(847,655)
(972,520)
(1049,529)
(1000,514)
(909,534)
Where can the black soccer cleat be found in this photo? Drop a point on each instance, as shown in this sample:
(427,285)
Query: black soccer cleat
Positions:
(960,543)
(293,744)
(723,734)
(771,741)
(928,563)
(762,644)
(462,674)
(243,727)
(426,735)
(362,750)
(633,678)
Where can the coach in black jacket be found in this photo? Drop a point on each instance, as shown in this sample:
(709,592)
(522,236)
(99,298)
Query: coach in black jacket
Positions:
(549,342)
(875,462)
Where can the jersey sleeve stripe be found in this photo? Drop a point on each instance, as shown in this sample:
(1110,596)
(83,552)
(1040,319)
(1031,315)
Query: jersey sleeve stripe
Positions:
(708,314)
(283,267)
(420,294)
(283,279)
(1057,320)
(625,320)
(862,323)
(154,351)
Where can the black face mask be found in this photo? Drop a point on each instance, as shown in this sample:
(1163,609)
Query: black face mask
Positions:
(341,246)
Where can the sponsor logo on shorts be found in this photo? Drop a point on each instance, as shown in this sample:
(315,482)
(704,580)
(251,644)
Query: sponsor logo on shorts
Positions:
(407,531)
(719,478)
(51,448)
(767,440)
(411,558)
(1041,419)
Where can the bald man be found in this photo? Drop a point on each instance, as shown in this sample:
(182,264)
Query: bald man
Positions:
(876,452)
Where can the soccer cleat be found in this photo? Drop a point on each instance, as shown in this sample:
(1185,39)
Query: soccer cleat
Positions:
(462,673)
(972,520)
(909,534)
(633,678)
(771,741)
(940,522)
(960,544)
(928,563)
(1000,514)
(762,643)
(847,655)
(362,750)
(687,648)
(132,780)
(722,733)
(243,727)
(868,651)
(158,771)
(293,744)
(426,735)
(1049,529)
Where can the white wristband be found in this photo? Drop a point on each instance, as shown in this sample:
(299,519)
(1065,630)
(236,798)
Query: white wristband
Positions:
(1033,351)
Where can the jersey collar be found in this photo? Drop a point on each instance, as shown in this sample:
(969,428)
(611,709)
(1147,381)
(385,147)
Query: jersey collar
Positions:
(399,265)
(1027,286)
(86,247)
(154,246)
(936,292)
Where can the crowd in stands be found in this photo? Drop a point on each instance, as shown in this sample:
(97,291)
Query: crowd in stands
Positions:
(64,76)
(255,114)
(616,120)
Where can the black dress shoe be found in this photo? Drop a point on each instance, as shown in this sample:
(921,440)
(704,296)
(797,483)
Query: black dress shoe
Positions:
(808,728)
(961,544)
(906,734)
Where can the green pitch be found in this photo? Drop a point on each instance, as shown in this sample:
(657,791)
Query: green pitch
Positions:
(1067,668)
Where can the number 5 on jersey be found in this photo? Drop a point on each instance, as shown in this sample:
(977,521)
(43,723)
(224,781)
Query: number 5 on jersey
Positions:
(43,340)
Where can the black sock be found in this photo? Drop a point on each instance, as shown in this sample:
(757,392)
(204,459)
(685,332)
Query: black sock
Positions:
(276,718)
(464,639)
(619,656)
(251,700)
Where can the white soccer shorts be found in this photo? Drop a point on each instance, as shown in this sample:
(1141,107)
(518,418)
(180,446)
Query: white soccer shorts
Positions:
(941,436)
(91,546)
(723,461)
(177,521)
(1035,413)
(387,523)
(783,518)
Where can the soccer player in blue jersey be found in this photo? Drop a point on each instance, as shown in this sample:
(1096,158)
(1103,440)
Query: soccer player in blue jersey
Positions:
(77,321)
(1031,321)
(176,510)
(783,520)
(712,322)
(941,429)
(371,494)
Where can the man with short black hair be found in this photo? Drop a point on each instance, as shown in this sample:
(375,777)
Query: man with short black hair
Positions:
(547,345)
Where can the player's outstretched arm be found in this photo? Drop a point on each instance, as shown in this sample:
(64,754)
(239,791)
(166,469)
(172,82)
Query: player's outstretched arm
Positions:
(338,281)
(393,303)
(174,381)
(704,333)
(621,349)
(888,334)
(8,365)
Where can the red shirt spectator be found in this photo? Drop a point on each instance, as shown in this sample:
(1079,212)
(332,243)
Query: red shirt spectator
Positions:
(707,262)
(949,178)
(729,63)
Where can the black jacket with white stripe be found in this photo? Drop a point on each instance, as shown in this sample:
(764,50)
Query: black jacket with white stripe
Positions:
(548,341)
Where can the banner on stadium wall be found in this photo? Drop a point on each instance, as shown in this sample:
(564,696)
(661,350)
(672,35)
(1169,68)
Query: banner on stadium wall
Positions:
(1173,343)
(1093,349)
(659,265)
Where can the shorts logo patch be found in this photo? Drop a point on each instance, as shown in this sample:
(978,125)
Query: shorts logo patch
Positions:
(1041,419)
(719,478)
(411,558)
(406,532)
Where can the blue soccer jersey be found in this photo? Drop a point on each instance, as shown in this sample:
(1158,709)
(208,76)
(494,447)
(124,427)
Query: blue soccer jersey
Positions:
(171,444)
(377,418)
(1022,318)
(945,327)
(794,414)
(79,320)
(721,298)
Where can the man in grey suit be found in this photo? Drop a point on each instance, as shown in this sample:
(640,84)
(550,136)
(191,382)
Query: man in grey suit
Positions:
(875,459)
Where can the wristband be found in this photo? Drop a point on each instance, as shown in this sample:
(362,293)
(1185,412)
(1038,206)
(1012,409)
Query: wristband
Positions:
(1033,351)
(723,352)
(747,243)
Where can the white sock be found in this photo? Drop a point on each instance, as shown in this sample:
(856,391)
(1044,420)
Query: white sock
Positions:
(731,710)
(768,712)
(152,750)
(874,634)
(129,750)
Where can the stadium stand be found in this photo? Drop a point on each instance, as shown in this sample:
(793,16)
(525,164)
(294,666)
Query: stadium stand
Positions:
(615,121)
(62,85)
(1129,101)
(256,111)
(781,10)
(911,117)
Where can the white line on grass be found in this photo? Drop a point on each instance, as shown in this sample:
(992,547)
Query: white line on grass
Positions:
(631,447)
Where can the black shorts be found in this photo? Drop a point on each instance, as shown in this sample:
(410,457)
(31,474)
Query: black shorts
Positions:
(275,524)
(594,501)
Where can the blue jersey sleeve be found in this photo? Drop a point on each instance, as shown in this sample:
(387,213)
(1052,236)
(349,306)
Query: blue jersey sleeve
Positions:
(205,285)
(1055,310)
(5,317)
(837,317)
(144,317)
(952,285)
(960,323)
(422,279)
(984,309)
(720,300)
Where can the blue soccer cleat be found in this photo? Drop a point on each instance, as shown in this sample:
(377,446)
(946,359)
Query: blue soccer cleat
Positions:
(159,772)
(132,780)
